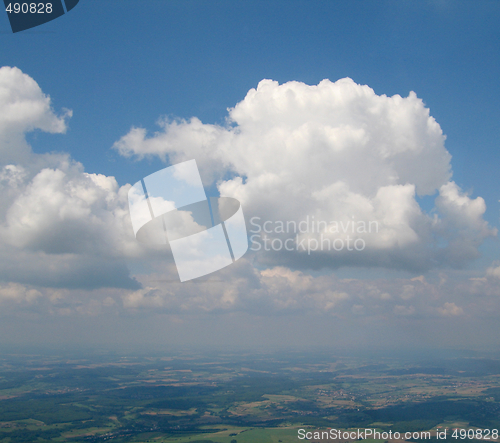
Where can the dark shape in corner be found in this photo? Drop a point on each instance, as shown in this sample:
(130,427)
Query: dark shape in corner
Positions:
(70,4)
(31,14)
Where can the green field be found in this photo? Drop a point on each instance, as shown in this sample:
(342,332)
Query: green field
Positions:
(193,398)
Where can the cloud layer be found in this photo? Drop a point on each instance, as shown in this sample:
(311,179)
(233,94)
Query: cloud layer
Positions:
(335,152)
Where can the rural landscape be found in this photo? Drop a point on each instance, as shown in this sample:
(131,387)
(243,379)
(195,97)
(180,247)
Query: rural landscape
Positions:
(243,398)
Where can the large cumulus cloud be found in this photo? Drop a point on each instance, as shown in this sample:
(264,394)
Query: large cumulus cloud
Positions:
(59,226)
(332,152)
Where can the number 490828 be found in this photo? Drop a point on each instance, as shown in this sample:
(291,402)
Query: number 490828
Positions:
(29,8)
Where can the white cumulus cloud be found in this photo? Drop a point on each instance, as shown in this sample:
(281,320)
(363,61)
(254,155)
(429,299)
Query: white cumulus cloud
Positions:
(339,154)
(23,108)
(59,226)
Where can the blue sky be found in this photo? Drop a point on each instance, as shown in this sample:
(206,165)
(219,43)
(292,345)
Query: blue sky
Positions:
(119,64)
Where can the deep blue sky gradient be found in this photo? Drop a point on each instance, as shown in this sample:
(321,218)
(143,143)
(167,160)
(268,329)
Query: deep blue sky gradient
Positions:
(118,63)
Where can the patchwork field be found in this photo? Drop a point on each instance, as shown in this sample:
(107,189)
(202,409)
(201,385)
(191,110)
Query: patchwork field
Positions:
(239,398)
